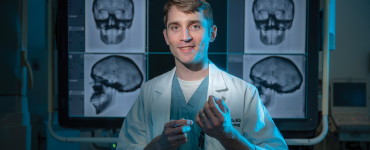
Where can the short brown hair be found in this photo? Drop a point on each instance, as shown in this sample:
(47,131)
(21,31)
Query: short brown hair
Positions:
(190,6)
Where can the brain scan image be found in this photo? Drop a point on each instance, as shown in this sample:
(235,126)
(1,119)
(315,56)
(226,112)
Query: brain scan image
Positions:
(111,76)
(278,26)
(115,25)
(280,83)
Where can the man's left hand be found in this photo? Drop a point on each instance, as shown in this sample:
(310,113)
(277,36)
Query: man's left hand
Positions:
(214,119)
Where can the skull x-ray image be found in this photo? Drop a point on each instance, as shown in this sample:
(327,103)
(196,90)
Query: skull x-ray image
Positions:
(275,26)
(280,82)
(112,18)
(112,83)
(272,18)
(115,26)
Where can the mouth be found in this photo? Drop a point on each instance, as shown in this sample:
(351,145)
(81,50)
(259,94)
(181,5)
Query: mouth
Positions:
(98,99)
(187,48)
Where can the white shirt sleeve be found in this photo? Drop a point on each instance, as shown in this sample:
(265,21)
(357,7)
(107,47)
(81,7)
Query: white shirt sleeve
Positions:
(133,134)
(258,126)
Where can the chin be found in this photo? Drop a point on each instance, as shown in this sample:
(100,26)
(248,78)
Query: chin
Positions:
(186,59)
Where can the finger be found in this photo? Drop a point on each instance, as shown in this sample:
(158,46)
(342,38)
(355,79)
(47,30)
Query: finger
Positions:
(214,107)
(176,123)
(177,137)
(205,118)
(209,112)
(199,121)
(174,131)
(182,141)
(224,106)
(221,104)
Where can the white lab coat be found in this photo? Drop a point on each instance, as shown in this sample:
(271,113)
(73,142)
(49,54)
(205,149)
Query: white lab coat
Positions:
(151,111)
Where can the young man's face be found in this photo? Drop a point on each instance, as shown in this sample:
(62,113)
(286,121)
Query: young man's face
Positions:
(188,36)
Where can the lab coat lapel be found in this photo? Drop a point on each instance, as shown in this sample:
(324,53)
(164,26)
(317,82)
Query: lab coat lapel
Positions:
(217,87)
(217,84)
(160,110)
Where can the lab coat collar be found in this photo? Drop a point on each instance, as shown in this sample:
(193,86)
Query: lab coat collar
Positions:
(163,83)
(160,110)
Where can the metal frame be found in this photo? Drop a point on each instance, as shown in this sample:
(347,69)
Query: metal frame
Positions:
(312,141)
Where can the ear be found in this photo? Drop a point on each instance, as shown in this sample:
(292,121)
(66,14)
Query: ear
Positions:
(213,33)
(165,36)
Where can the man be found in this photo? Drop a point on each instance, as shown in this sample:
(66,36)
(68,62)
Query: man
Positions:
(165,113)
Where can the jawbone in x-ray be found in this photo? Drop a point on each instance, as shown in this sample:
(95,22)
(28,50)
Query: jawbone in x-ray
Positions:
(114,81)
(280,83)
(115,25)
(278,24)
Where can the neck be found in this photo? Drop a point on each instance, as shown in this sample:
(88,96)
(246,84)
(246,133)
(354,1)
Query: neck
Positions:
(192,72)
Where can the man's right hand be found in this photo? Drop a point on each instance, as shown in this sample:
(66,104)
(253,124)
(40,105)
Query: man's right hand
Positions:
(173,135)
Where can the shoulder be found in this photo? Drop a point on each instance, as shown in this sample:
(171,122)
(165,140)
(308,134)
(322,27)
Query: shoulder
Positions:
(237,83)
(157,82)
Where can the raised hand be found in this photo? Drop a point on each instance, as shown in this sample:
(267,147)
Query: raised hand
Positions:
(214,119)
(174,134)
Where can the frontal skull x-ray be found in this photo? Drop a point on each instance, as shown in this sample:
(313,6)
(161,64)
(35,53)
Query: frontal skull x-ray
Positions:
(112,18)
(112,75)
(272,18)
(115,26)
(280,83)
(278,24)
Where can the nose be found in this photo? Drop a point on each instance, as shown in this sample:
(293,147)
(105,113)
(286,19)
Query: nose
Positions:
(271,22)
(185,36)
(111,21)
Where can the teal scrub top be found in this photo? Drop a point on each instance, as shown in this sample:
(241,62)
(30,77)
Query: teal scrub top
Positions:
(181,109)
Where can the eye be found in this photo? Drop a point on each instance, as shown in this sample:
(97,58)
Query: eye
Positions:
(279,15)
(263,15)
(195,27)
(119,13)
(103,14)
(175,27)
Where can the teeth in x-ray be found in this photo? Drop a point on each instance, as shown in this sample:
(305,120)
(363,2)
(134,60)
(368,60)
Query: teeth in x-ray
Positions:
(100,102)
(99,99)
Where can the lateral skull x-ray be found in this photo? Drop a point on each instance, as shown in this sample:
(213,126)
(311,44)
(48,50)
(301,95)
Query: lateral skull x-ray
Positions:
(112,18)
(272,19)
(275,74)
(111,74)
(280,80)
